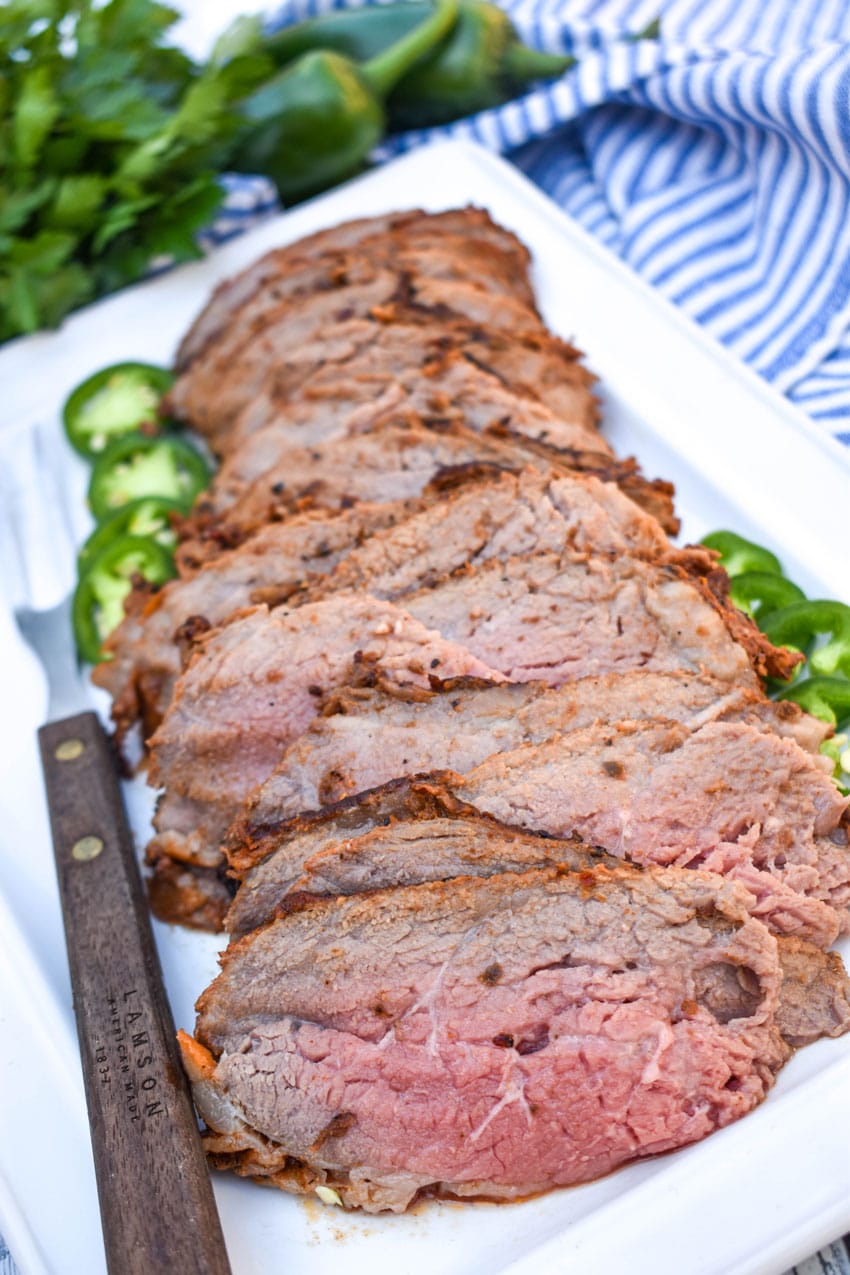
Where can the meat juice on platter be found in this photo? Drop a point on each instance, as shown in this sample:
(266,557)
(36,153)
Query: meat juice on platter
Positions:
(525,876)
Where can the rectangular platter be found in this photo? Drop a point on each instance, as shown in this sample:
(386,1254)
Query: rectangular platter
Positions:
(749,1201)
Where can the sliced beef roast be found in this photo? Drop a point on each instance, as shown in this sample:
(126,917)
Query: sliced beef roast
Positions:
(728,797)
(479,521)
(268,477)
(146,650)
(486,1037)
(441,372)
(302,267)
(365,736)
(526,878)
(254,685)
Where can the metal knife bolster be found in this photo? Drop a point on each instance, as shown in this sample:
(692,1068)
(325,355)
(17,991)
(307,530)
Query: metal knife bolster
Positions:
(155,1194)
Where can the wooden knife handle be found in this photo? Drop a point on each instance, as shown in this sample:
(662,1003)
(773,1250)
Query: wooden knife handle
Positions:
(153,1183)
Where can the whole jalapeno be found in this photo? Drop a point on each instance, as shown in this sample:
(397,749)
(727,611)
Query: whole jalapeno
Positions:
(121,399)
(137,466)
(481,63)
(315,122)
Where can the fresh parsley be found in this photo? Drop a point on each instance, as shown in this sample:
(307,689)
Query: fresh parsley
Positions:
(110,141)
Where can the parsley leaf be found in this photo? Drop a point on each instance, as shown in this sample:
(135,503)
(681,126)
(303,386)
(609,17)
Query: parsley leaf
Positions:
(110,142)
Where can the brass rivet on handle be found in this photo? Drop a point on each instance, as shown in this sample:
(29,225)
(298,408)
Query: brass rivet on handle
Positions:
(69,749)
(86,848)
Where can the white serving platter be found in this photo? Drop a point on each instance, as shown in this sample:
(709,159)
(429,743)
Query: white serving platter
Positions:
(753,1198)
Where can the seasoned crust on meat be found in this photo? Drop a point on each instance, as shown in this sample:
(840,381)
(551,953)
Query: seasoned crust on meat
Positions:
(281,264)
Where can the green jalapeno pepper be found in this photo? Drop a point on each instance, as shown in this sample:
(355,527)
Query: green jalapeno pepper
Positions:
(314,123)
(825,697)
(838,752)
(137,466)
(738,555)
(98,603)
(652,31)
(759,593)
(359,34)
(797,626)
(480,64)
(150,517)
(121,399)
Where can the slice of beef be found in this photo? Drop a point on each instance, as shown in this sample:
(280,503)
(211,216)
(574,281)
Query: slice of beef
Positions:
(501,518)
(360,303)
(231,294)
(402,833)
(254,685)
(366,736)
(357,374)
(200,897)
(476,522)
(492,1037)
(815,993)
(727,797)
(654,495)
(269,477)
(539,364)
(187,895)
(147,651)
(364,369)
(247,693)
(556,618)
(282,270)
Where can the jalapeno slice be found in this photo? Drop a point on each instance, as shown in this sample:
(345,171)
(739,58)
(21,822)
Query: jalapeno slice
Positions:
(138,466)
(825,697)
(738,555)
(117,400)
(98,605)
(150,517)
(760,593)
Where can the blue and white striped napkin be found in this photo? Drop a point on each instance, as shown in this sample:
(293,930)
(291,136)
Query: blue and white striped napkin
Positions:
(714,160)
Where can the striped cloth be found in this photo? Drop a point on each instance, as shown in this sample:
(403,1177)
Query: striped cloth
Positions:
(715,160)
